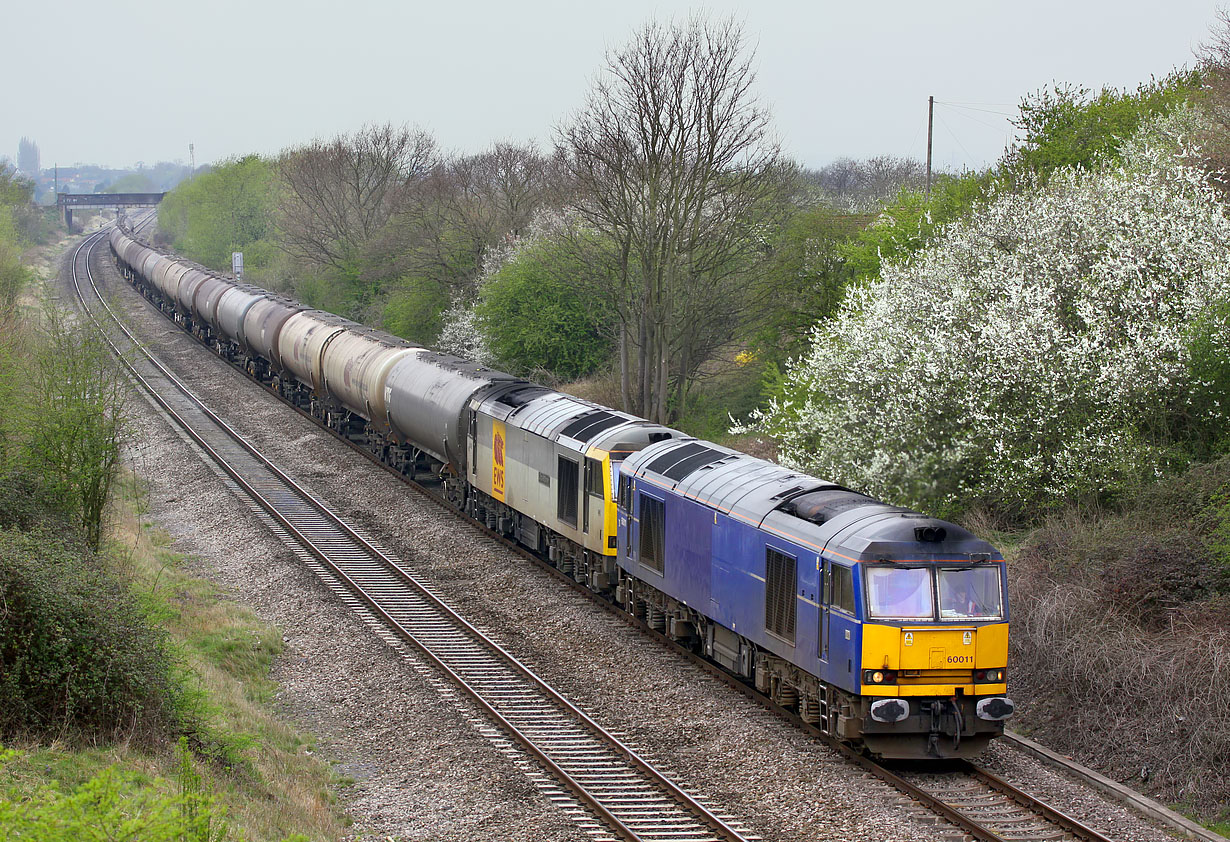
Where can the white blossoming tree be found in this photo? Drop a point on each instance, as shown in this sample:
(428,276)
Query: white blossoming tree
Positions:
(1040,351)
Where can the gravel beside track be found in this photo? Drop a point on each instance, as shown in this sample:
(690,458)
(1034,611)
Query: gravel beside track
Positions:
(421,768)
(1025,771)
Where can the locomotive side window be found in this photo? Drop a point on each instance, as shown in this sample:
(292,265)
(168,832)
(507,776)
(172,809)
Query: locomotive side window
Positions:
(781,582)
(473,442)
(653,531)
(593,477)
(841,588)
(568,488)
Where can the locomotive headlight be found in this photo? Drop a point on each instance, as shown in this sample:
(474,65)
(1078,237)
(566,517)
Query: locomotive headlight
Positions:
(879,677)
(991,676)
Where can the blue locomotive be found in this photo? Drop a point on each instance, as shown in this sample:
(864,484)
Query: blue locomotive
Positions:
(878,624)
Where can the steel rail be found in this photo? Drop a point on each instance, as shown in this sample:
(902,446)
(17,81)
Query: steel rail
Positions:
(656,779)
(1055,817)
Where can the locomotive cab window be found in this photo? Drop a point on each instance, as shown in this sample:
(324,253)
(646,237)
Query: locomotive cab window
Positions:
(970,593)
(841,588)
(781,582)
(568,490)
(900,593)
(653,533)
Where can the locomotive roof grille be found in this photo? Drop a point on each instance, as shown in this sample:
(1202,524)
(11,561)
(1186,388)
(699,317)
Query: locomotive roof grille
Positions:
(693,463)
(680,462)
(586,426)
(672,456)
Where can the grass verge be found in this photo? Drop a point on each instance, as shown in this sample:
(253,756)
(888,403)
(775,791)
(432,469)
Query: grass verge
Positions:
(240,774)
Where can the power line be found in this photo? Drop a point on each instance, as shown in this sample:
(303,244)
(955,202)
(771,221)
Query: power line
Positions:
(979,122)
(969,156)
(971,108)
(986,104)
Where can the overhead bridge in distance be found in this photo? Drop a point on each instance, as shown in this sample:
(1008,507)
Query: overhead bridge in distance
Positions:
(67,201)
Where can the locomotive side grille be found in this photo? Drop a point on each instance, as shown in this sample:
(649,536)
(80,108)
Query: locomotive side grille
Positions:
(568,490)
(653,532)
(780,583)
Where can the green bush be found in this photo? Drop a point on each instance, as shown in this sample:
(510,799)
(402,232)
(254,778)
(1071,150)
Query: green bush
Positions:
(414,310)
(76,653)
(13,274)
(229,209)
(536,316)
(114,805)
(1068,126)
(913,221)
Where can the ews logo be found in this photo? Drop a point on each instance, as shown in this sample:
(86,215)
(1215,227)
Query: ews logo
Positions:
(497,459)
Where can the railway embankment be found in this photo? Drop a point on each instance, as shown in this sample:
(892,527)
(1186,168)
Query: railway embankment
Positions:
(219,761)
(135,693)
(1121,636)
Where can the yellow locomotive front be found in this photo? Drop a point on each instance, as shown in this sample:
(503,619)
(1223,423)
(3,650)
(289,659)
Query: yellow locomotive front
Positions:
(934,655)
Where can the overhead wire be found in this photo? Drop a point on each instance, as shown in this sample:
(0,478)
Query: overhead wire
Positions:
(968,155)
(974,119)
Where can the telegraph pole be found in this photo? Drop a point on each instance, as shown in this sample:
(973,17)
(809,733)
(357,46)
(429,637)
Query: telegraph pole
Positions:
(930,125)
(192,154)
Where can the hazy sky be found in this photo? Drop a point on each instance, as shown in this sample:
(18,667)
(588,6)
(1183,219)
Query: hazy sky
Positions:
(841,78)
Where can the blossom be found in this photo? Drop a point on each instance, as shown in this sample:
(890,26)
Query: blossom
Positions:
(1040,349)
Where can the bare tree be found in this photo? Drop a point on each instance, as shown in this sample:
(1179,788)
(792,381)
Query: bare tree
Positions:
(673,163)
(1215,70)
(446,221)
(868,184)
(340,193)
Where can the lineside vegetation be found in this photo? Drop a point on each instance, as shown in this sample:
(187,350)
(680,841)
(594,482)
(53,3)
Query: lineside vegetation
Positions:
(133,700)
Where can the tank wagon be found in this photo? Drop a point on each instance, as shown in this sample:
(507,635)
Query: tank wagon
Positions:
(882,626)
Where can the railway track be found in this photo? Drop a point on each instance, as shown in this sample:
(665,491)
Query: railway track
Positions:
(965,793)
(615,793)
(979,804)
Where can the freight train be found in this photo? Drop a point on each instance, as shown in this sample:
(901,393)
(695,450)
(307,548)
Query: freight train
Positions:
(881,626)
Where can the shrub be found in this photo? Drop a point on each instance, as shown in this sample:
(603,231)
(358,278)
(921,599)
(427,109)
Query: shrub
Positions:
(536,317)
(76,654)
(115,805)
(415,309)
(1119,635)
(1047,348)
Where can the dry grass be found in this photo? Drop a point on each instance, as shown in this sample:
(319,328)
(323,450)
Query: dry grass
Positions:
(1121,641)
